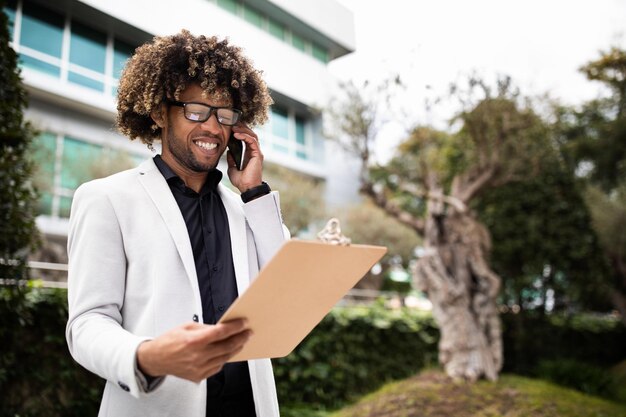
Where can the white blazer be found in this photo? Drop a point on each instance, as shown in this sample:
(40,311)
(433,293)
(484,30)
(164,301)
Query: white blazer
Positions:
(132,277)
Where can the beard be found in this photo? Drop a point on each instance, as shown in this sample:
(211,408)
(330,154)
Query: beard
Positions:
(184,154)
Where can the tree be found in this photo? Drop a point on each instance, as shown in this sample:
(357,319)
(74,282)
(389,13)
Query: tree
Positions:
(593,142)
(365,223)
(547,252)
(301,198)
(430,186)
(18,231)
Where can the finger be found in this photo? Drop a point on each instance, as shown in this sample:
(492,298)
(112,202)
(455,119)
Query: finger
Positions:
(252,143)
(222,353)
(221,331)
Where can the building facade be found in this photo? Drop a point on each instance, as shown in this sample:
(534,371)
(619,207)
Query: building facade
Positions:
(72,53)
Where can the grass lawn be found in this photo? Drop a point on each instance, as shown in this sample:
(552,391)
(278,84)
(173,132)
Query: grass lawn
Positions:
(432,394)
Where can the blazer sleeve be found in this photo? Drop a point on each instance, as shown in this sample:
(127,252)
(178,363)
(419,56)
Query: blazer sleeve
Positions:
(96,285)
(266,222)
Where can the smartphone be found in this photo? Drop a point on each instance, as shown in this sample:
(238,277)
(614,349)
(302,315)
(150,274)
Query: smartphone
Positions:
(237,148)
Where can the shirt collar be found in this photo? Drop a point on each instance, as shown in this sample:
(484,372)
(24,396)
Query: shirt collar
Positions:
(213,178)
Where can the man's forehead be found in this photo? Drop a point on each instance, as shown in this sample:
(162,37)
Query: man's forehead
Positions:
(195,91)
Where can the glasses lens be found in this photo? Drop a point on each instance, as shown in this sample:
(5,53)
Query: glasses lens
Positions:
(197,112)
(227,117)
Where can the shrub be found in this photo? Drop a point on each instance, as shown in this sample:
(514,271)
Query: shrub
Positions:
(529,339)
(38,377)
(353,351)
(580,376)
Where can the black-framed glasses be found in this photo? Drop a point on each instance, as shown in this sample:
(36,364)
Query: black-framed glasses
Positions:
(200,112)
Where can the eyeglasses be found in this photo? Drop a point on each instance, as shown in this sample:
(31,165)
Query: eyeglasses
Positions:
(199,112)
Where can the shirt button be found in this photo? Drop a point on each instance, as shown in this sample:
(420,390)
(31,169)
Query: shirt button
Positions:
(221,308)
(210,231)
(195,318)
(214,269)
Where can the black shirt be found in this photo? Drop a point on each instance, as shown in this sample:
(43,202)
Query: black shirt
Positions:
(209,235)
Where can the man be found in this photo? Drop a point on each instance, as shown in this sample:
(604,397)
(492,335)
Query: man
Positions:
(158,253)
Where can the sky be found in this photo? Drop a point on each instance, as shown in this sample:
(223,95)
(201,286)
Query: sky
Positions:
(430,44)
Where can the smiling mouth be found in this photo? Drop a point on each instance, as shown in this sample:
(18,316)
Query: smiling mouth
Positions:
(205,145)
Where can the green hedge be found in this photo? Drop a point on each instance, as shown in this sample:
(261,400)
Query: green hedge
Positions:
(38,377)
(351,352)
(531,338)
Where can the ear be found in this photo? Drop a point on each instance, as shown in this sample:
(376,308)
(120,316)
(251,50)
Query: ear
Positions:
(157,116)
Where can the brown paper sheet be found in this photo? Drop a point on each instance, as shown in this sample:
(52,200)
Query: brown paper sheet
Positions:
(295,290)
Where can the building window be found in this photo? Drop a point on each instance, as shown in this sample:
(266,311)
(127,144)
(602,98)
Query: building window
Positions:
(319,52)
(253,16)
(301,151)
(80,58)
(41,36)
(44,155)
(121,53)
(62,163)
(230,5)
(280,129)
(291,134)
(88,55)
(298,42)
(275,28)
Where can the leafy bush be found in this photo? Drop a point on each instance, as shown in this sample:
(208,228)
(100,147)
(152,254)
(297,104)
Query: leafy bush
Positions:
(38,377)
(580,376)
(353,351)
(349,353)
(532,338)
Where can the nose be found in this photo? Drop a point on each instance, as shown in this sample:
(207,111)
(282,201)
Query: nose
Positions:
(211,124)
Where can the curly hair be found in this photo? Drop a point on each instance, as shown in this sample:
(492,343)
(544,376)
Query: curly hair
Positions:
(163,68)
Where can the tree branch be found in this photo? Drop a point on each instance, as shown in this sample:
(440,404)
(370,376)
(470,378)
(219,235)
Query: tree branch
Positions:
(415,223)
(466,193)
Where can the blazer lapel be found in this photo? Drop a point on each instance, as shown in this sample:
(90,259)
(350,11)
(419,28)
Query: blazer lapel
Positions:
(238,237)
(158,190)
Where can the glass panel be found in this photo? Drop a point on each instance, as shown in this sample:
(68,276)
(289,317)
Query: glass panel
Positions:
(44,205)
(300,122)
(38,65)
(88,47)
(9,10)
(252,16)
(85,81)
(280,122)
(300,137)
(276,29)
(298,42)
(79,162)
(280,148)
(42,30)
(121,52)
(44,159)
(230,5)
(64,206)
(320,53)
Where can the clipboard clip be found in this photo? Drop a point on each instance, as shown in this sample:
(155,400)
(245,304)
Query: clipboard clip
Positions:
(332,235)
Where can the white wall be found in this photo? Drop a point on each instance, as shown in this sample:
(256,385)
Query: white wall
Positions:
(286,69)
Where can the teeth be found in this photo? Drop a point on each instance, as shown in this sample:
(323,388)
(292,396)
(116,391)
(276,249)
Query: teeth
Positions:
(206,145)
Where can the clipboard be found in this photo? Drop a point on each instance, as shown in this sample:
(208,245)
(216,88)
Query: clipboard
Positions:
(294,291)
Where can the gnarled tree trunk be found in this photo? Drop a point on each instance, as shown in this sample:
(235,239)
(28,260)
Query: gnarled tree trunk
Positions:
(455,275)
